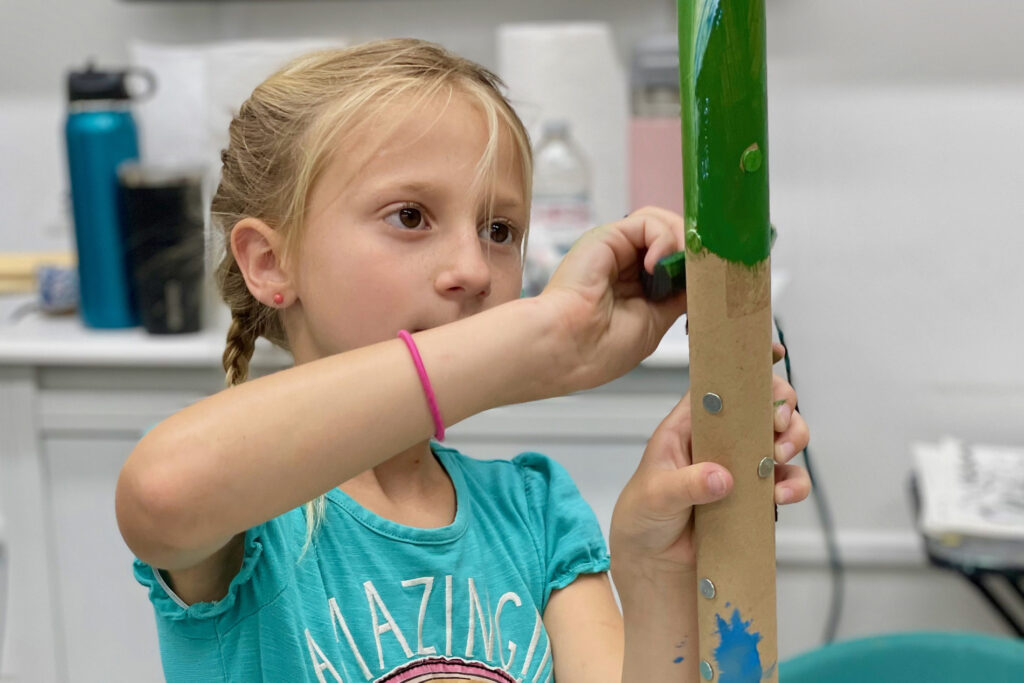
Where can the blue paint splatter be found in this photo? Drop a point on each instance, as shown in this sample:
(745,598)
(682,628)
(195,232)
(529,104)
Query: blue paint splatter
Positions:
(736,654)
(681,643)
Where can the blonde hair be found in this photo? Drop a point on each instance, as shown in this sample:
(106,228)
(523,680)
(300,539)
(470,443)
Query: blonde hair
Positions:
(282,139)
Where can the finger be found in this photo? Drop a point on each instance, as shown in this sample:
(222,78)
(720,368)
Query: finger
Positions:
(675,222)
(665,245)
(778,352)
(641,230)
(670,217)
(671,492)
(793,440)
(679,418)
(792,484)
(784,398)
(608,254)
(669,445)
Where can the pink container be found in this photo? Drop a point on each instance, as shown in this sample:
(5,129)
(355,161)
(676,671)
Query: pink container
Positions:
(656,163)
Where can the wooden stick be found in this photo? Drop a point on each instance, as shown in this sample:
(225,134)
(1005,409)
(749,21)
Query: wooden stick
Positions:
(728,283)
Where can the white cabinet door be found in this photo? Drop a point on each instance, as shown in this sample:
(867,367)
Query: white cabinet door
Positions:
(109,629)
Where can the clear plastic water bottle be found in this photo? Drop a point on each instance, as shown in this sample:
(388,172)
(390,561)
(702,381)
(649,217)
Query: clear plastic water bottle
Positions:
(561,209)
(100,133)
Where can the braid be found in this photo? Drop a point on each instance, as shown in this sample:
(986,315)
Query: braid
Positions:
(287,132)
(241,342)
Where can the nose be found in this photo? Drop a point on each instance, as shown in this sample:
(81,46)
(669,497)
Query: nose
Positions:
(465,269)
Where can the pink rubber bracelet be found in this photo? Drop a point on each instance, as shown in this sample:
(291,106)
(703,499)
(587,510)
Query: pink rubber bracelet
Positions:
(425,381)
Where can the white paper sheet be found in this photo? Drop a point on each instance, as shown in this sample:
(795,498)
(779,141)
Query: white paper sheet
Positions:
(970,489)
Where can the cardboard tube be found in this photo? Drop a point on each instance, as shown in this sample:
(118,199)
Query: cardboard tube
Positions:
(730,356)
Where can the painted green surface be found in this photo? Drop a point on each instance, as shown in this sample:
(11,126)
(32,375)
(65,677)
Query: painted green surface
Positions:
(723,98)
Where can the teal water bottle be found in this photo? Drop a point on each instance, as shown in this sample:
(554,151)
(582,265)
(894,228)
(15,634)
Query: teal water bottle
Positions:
(100,134)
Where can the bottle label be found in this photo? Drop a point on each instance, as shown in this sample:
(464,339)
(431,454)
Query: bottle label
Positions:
(561,219)
(556,222)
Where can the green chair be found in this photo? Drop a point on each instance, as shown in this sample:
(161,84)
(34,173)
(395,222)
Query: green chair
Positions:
(928,657)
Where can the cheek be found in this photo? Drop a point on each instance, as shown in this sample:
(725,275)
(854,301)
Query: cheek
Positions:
(373,295)
(507,279)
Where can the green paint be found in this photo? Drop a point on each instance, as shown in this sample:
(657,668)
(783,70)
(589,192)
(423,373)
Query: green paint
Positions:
(723,97)
(751,159)
(693,240)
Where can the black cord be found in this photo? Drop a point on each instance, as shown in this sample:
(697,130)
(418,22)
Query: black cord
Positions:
(827,525)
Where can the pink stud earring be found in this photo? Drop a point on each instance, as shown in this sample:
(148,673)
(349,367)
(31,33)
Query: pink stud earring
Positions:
(279,298)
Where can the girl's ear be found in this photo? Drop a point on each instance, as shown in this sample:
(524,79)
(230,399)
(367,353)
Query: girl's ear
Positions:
(259,250)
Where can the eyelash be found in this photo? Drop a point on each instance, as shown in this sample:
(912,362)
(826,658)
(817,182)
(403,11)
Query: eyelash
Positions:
(403,207)
(515,233)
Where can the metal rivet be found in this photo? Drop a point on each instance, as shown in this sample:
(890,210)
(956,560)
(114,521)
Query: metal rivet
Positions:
(765,467)
(693,240)
(751,159)
(705,670)
(707,589)
(712,403)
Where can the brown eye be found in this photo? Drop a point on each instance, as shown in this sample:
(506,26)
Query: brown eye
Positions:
(410,218)
(500,233)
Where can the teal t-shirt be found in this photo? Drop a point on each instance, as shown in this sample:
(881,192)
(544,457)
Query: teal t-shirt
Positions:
(373,600)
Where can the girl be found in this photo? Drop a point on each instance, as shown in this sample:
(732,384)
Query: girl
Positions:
(303,526)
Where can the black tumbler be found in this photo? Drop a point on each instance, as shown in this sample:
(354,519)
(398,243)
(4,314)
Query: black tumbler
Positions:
(162,210)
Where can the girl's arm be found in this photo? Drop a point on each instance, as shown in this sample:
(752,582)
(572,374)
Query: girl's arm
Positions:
(660,615)
(254,451)
(654,639)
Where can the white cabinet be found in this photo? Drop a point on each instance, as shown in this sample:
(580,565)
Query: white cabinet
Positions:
(75,611)
(105,622)
(72,406)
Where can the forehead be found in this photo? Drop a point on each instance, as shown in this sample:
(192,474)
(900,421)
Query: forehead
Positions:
(415,137)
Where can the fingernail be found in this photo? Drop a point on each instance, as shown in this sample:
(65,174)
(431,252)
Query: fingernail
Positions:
(783,496)
(782,416)
(716,483)
(784,452)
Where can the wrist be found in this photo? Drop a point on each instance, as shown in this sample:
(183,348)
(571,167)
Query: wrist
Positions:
(644,577)
(515,351)
(541,349)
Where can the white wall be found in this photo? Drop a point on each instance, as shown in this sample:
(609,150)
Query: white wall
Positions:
(897,168)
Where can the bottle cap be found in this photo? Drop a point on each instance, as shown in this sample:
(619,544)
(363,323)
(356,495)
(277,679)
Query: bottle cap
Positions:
(96,84)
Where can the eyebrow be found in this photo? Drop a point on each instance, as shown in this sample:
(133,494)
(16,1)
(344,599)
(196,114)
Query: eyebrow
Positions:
(421,187)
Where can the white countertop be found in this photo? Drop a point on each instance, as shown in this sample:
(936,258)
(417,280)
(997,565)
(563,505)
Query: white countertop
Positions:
(28,337)
(34,338)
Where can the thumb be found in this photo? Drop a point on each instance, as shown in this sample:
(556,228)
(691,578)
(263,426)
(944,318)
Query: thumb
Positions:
(672,491)
(667,312)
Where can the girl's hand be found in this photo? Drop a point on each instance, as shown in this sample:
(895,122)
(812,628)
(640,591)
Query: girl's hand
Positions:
(604,319)
(652,526)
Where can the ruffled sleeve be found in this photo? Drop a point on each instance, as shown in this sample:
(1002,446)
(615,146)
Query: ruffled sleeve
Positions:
(246,592)
(565,529)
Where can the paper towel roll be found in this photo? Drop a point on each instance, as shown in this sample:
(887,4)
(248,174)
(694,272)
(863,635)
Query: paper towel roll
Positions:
(172,122)
(573,71)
